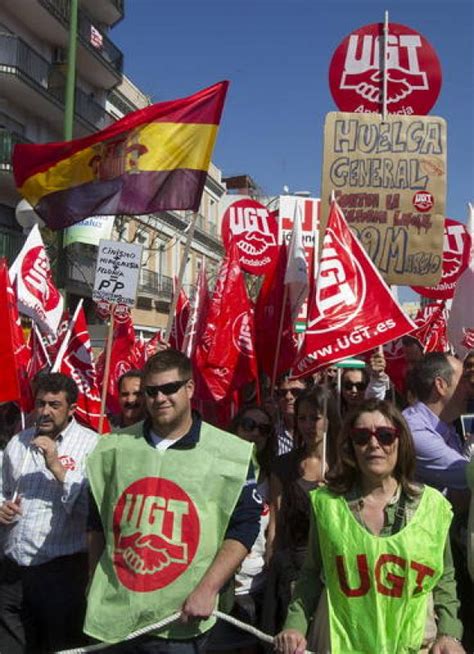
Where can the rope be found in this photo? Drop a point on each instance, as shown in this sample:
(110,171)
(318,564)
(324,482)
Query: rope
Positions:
(172,618)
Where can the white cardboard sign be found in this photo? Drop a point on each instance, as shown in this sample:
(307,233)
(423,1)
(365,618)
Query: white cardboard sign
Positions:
(116,273)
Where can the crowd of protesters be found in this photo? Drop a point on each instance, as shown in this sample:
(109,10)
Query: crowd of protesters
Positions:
(338,517)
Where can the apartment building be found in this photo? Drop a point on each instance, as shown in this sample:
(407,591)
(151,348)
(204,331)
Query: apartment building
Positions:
(33,44)
(33,48)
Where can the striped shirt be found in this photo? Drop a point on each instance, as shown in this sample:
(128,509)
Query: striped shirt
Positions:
(284,439)
(54,514)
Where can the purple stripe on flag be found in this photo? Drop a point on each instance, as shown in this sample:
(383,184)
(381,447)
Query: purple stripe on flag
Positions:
(134,194)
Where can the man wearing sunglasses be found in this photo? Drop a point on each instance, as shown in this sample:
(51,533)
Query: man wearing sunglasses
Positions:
(286,392)
(179,513)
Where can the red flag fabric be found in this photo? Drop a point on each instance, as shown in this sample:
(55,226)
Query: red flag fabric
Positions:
(123,358)
(151,346)
(396,369)
(53,341)
(225,355)
(78,363)
(456,250)
(431,328)
(461,315)
(351,309)
(268,310)
(38,354)
(180,320)
(14,354)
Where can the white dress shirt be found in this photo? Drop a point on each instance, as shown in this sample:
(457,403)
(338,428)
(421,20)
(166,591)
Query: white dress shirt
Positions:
(54,513)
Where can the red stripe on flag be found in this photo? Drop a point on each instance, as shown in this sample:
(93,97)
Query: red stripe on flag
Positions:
(204,107)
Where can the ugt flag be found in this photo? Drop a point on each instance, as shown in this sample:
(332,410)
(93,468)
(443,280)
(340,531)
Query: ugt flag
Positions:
(38,297)
(78,363)
(154,159)
(14,354)
(351,309)
(461,316)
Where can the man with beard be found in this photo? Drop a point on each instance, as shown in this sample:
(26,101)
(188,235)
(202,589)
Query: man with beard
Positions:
(43,517)
(131,399)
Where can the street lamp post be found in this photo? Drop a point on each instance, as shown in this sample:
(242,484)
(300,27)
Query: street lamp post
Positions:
(68,128)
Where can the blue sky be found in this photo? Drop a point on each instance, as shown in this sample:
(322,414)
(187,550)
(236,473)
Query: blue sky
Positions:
(276,54)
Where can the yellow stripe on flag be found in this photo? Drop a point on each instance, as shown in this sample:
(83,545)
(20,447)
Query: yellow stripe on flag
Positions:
(153,147)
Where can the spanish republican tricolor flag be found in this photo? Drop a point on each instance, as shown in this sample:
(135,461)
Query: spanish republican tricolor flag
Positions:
(152,160)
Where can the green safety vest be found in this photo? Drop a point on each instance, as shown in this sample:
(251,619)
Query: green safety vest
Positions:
(164,515)
(378,586)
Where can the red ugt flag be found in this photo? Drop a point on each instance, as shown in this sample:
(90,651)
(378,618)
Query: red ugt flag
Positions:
(14,354)
(351,309)
(124,357)
(180,320)
(431,328)
(39,358)
(267,320)
(38,297)
(78,363)
(225,356)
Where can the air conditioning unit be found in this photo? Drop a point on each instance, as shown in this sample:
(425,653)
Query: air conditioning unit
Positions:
(59,55)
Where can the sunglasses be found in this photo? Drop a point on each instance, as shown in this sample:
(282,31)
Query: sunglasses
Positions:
(296,392)
(249,424)
(165,389)
(359,386)
(384,435)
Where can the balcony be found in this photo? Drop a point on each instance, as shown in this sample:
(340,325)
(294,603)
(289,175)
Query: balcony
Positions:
(108,12)
(152,283)
(81,263)
(30,80)
(8,140)
(91,37)
(11,243)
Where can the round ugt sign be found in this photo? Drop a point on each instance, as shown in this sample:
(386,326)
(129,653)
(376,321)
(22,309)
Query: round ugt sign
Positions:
(254,230)
(413,71)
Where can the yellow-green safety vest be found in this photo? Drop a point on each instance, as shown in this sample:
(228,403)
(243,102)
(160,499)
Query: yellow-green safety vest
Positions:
(378,586)
(164,515)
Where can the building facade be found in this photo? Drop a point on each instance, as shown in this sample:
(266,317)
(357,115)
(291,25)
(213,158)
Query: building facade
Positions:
(33,52)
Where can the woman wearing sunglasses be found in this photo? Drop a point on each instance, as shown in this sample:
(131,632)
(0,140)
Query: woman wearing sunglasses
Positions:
(253,424)
(380,544)
(294,475)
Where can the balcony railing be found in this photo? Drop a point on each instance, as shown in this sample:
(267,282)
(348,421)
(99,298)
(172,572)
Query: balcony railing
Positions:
(11,243)
(155,284)
(91,36)
(8,140)
(18,58)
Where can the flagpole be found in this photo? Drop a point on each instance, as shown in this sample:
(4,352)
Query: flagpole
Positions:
(43,348)
(108,355)
(384,69)
(325,423)
(68,124)
(339,388)
(278,343)
(66,339)
(179,282)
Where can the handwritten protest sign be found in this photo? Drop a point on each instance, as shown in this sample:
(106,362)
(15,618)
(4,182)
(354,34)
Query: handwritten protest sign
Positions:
(389,178)
(116,273)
